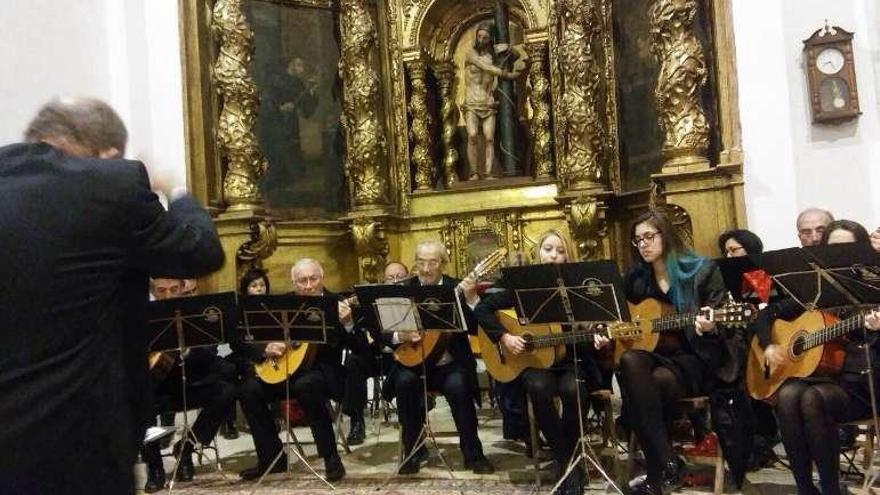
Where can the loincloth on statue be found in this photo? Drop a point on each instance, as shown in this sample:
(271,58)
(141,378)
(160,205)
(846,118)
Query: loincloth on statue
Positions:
(482,110)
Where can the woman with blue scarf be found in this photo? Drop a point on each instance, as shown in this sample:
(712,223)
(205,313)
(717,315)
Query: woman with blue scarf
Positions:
(652,382)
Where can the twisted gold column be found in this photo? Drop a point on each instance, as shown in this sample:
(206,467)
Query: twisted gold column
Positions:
(236,140)
(682,76)
(446,76)
(421,123)
(542,140)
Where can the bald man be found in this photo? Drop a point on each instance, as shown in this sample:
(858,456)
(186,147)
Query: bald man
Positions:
(312,387)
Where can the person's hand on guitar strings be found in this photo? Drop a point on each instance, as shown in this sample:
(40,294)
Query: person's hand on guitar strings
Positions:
(513,344)
(275,349)
(774,357)
(345,314)
(872,320)
(702,324)
(469,288)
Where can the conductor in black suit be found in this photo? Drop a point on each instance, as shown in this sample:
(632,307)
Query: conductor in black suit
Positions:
(454,374)
(81,234)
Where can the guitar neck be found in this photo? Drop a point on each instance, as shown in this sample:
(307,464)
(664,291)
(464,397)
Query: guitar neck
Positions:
(564,338)
(671,323)
(834,331)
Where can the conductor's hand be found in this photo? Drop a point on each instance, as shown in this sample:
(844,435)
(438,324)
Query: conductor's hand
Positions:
(469,289)
(774,356)
(513,343)
(703,325)
(345,314)
(275,349)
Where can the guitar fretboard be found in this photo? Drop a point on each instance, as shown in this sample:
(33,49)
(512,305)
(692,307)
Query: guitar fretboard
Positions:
(573,337)
(677,321)
(834,331)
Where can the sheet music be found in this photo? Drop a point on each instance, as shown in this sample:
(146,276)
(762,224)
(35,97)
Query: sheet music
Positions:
(396,314)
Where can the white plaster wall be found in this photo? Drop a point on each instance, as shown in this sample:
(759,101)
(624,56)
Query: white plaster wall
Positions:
(791,164)
(126,52)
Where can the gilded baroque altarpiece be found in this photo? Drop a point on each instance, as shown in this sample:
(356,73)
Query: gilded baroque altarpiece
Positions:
(346,130)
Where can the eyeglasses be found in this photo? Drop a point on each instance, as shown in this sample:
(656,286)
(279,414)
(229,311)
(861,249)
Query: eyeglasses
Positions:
(734,250)
(427,263)
(809,233)
(647,238)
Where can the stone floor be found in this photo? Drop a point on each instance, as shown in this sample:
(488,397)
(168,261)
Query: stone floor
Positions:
(370,466)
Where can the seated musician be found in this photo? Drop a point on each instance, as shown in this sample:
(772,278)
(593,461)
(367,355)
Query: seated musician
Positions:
(364,362)
(211,385)
(652,382)
(757,288)
(543,385)
(311,387)
(454,374)
(809,409)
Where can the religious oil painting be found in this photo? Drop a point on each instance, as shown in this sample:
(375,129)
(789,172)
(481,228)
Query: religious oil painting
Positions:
(298,124)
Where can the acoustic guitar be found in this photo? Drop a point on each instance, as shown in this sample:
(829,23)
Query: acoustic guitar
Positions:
(432,344)
(652,318)
(811,345)
(545,344)
(300,355)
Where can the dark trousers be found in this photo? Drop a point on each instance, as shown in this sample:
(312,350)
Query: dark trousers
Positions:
(543,386)
(211,386)
(452,381)
(312,389)
(511,399)
(359,367)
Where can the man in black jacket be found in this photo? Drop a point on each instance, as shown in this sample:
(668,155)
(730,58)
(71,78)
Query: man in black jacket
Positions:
(454,374)
(81,234)
(312,387)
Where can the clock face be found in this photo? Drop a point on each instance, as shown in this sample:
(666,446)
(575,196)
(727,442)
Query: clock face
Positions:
(830,61)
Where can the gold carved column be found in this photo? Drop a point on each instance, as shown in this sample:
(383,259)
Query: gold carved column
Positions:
(683,75)
(365,157)
(579,132)
(236,140)
(420,126)
(542,140)
(446,77)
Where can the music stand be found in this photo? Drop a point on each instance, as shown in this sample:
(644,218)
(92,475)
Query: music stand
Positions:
(313,320)
(569,294)
(415,309)
(180,324)
(832,276)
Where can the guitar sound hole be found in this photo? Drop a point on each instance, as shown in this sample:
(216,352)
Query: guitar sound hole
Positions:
(529,346)
(797,346)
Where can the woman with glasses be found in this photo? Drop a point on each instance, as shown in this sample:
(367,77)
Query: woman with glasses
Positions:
(544,385)
(653,382)
(810,409)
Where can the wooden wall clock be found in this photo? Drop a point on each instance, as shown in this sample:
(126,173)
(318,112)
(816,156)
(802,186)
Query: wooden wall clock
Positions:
(831,75)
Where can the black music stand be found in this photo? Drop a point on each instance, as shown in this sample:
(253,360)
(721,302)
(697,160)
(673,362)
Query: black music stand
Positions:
(832,276)
(180,324)
(414,309)
(733,270)
(289,319)
(569,294)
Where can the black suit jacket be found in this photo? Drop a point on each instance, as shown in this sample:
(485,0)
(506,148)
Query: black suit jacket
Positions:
(79,238)
(458,345)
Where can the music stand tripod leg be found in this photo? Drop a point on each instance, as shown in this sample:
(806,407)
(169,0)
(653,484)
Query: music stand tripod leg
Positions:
(189,437)
(426,433)
(288,444)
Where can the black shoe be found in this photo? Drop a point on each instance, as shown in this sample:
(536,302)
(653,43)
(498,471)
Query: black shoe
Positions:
(333,468)
(411,466)
(185,468)
(255,472)
(358,432)
(670,481)
(480,465)
(229,431)
(155,480)
(574,483)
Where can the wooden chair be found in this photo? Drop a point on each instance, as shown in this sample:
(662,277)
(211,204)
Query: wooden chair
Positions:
(692,404)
